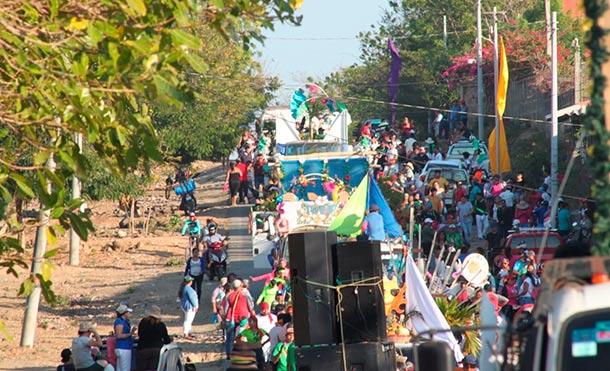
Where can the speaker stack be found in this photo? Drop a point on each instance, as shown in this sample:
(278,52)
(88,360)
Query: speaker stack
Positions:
(316,257)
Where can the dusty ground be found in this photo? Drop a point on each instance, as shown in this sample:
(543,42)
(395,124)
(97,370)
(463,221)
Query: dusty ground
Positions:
(145,270)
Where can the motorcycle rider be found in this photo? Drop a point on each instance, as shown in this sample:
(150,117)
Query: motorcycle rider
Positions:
(212,241)
(193,227)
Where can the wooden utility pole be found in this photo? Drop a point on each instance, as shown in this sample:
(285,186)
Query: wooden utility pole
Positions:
(33,301)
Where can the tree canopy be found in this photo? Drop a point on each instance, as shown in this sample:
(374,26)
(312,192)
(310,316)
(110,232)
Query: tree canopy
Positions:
(99,68)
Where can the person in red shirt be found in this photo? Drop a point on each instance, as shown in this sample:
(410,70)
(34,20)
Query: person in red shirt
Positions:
(460,192)
(244,182)
(237,306)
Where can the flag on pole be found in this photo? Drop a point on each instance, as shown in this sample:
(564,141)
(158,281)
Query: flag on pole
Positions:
(393,78)
(496,139)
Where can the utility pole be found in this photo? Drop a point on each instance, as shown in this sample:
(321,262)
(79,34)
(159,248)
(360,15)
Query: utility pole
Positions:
(40,246)
(76,193)
(577,66)
(554,118)
(547,17)
(480,108)
(445,30)
(495,15)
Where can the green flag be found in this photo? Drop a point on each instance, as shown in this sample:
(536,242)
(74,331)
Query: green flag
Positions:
(349,220)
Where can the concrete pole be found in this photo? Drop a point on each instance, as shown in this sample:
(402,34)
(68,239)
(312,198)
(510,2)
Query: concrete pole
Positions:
(76,193)
(480,109)
(445,30)
(554,118)
(577,72)
(496,72)
(33,301)
(547,17)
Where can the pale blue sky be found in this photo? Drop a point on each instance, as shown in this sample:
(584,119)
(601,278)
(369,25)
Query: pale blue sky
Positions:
(294,60)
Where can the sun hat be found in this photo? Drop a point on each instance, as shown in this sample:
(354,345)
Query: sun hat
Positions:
(154,311)
(122,309)
(86,326)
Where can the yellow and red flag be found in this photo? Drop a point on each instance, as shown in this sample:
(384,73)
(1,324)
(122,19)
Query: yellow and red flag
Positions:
(496,139)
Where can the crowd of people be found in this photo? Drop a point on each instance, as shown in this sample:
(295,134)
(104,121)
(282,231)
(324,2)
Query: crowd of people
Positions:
(459,215)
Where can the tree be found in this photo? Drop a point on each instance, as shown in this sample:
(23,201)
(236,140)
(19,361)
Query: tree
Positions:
(228,92)
(92,67)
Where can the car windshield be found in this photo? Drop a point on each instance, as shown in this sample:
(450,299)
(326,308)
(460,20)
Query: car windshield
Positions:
(452,175)
(529,241)
(459,149)
(295,149)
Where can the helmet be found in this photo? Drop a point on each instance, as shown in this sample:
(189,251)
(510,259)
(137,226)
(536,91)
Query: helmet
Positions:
(212,228)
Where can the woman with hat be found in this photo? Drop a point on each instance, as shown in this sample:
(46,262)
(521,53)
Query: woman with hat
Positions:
(189,302)
(523,213)
(152,335)
(123,332)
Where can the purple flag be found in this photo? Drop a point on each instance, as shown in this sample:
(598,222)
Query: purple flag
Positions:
(393,78)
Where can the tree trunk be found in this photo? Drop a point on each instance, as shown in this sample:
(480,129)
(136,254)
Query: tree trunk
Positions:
(33,301)
(132,211)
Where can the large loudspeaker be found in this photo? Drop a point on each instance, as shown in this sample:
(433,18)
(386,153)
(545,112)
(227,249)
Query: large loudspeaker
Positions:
(362,308)
(359,357)
(434,355)
(314,316)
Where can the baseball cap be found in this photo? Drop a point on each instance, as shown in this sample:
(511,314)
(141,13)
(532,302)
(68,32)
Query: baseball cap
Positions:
(154,311)
(86,326)
(188,278)
(122,309)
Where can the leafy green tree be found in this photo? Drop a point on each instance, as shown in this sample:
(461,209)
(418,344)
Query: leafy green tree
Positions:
(228,93)
(92,67)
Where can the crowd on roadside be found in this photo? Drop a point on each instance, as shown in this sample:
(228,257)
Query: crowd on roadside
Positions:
(474,213)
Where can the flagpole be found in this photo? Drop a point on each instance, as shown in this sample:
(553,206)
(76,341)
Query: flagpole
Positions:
(497,130)
(479,72)
(554,118)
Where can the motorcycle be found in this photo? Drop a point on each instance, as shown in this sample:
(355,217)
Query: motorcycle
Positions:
(217,259)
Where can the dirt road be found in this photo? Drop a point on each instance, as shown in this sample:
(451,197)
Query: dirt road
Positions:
(144,270)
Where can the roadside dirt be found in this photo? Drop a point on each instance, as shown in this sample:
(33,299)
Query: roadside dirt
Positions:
(143,270)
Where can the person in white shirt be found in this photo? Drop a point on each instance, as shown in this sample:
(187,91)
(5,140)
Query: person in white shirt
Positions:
(278,333)
(266,322)
(409,142)
(508,196)
(436,155)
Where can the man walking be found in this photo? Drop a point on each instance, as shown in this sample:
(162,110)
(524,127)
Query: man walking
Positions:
(464,210)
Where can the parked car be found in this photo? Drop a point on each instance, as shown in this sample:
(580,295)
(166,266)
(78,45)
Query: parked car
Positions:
(456,150)
(531,239)
(442,164)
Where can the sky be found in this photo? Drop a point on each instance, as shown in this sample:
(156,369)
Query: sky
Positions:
(294,60)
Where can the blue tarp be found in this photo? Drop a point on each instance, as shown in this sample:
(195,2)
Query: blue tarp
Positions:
(357,168)
(392,228)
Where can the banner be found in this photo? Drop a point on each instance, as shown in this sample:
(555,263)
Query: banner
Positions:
(393,78)
(499,139)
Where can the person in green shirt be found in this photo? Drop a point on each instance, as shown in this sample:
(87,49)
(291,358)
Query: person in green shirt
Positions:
(269,292)
(284,354)
(255,337)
